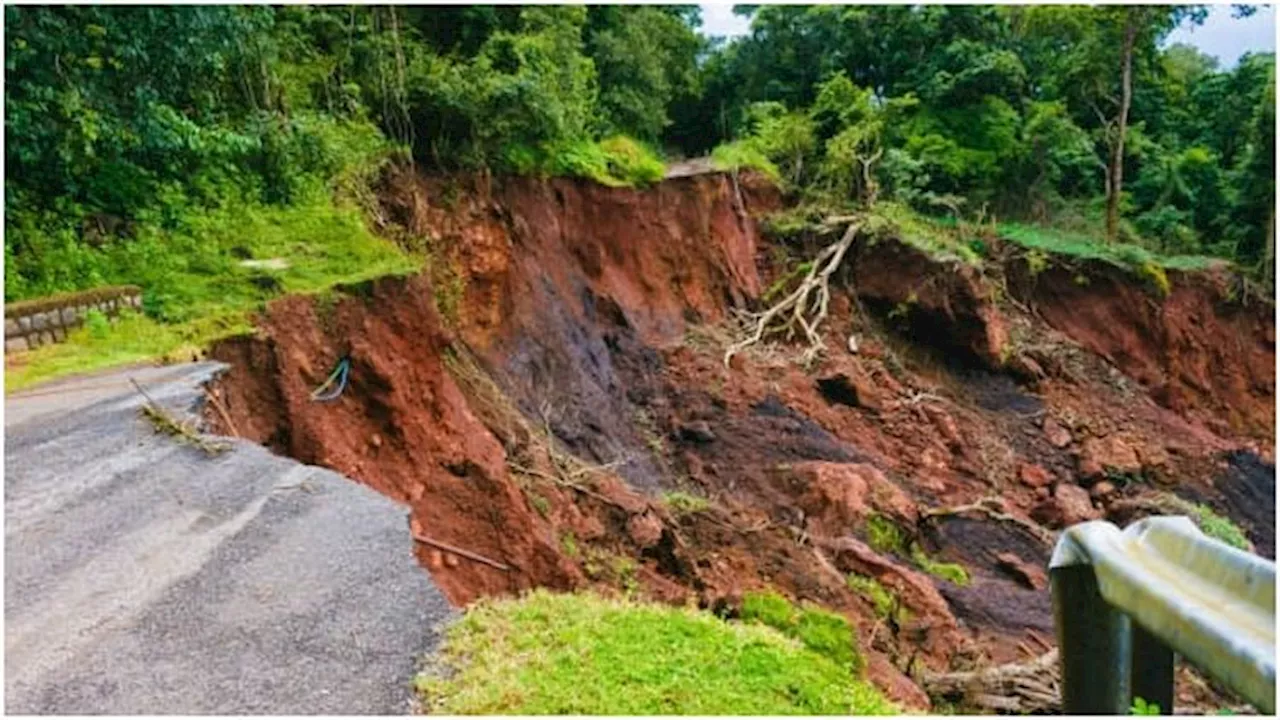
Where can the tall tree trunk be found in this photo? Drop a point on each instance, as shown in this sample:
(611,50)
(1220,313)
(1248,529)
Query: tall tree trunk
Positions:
(1116,174)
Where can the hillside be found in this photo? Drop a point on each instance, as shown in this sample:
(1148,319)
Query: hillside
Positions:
(566,403)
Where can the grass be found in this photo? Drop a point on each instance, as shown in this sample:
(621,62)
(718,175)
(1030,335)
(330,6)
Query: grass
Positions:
(739,155)
(1209,522)
(1088,247)
(683,503)
(884,535)
(195,291)
(882,599)
(826,633)
(550,654)
(951,572)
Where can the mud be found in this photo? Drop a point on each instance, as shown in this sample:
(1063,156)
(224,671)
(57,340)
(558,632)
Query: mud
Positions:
(536,395)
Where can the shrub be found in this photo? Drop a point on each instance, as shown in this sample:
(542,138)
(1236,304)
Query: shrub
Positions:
(742,154)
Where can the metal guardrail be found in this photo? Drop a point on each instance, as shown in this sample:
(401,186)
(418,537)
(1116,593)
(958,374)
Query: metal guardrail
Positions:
(1124,602)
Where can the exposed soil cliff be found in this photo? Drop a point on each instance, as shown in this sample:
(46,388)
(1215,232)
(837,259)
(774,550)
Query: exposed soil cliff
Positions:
(561,369)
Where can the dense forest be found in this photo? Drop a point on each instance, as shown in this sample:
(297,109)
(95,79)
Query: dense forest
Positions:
(129,129)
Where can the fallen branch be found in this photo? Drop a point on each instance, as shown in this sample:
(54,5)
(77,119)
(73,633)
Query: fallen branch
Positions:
(806,307)
(165,422)
(222,412)
(1030,687)
(460,552)
(994,509)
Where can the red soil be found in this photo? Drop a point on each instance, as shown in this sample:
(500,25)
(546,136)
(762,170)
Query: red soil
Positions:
(596,318)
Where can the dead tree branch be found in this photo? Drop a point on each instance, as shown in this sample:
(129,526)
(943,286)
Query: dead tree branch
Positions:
(806,307)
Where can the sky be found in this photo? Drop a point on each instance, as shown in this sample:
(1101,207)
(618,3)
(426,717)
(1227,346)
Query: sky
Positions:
(1221,36)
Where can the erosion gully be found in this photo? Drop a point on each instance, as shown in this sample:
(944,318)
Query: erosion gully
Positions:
(535,395)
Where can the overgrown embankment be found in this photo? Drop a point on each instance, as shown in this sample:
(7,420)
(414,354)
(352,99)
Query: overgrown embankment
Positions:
(550,400)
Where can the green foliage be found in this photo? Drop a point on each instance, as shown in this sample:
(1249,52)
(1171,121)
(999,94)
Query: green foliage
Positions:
(195,286)
(826,633)
(683,503)
(1005,112)
(547,654)
(884,535)
(569,545)
(739,155)
(1220,528)
(882,599)
(1142,707)
(951,572)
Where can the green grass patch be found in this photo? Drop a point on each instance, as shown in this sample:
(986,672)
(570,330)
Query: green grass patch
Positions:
(951,572)
(882,599)
(742,155)
(549,654)
(1220,528)
(884,535)
(1209,522)
(127,339)
(196,290)
(618,161)
(826,633)
(683,503)
(1088,247)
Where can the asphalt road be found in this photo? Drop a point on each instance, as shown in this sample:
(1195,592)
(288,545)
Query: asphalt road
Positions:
(144,577)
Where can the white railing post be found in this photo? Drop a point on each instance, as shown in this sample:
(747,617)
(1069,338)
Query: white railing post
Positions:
(1124,603)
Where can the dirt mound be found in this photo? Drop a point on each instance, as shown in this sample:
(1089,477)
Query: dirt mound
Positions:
(576,424)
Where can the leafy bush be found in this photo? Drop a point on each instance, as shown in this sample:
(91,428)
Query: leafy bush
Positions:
(738,155)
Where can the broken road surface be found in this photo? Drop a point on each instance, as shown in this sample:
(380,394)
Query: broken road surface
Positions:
(144,577)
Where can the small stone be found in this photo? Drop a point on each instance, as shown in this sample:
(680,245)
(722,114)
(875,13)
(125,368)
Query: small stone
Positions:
(46,338)
(697,432)
(451,560)
(1102,491)
(1034,476)
(435,559)
(16,344)
(24,322)
(1042,493)
(376,440)
(68,316)
(11,327)
(59,334)
(1057,435)
(39,321)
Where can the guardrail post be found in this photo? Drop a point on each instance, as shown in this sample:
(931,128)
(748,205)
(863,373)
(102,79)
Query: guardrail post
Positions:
(1152,672)
(1095,645)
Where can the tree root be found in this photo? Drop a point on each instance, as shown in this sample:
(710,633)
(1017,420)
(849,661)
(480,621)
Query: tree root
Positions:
(806,307)
(994,509)
(1024,688)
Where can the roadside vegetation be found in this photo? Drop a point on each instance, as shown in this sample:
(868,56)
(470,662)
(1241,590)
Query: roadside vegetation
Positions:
(582,654)
(166,146)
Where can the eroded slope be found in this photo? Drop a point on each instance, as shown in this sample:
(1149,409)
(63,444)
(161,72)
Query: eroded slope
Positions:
(538,399)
